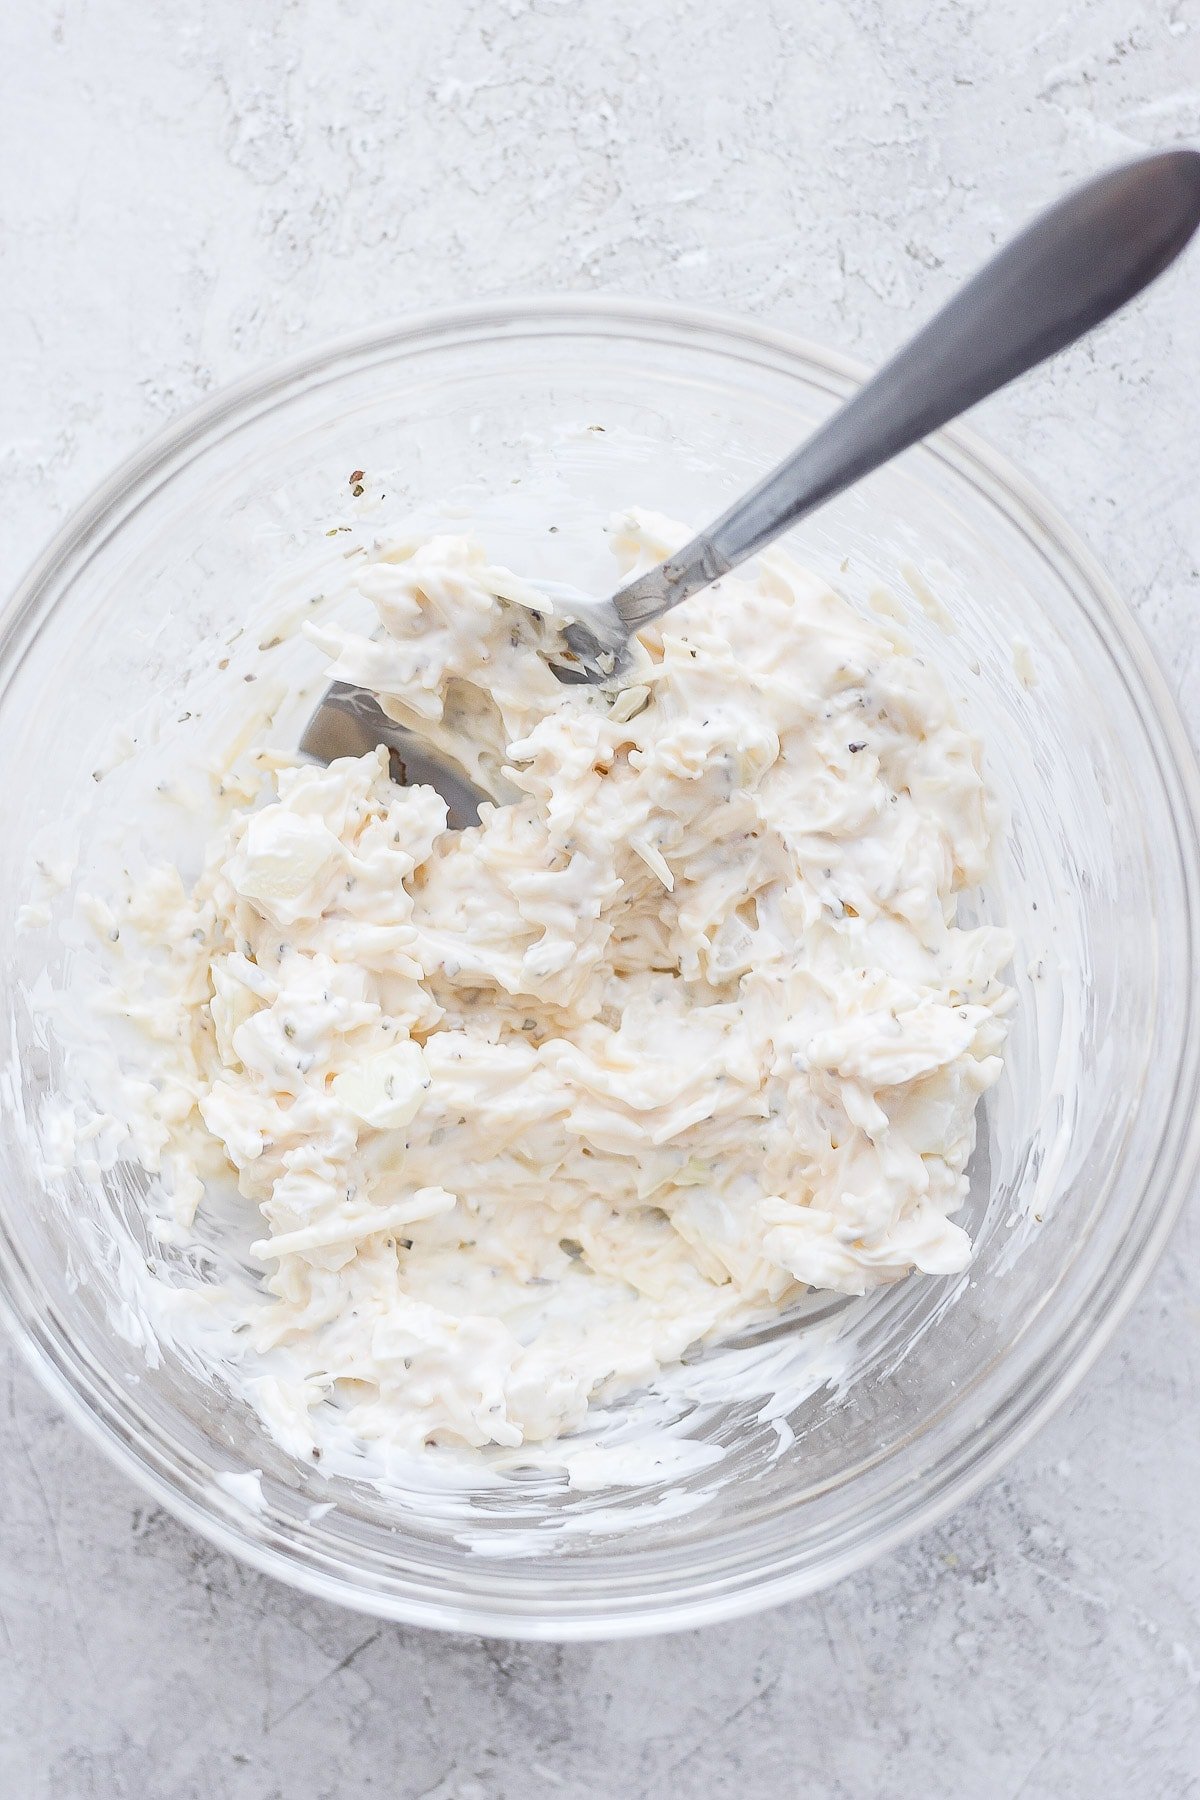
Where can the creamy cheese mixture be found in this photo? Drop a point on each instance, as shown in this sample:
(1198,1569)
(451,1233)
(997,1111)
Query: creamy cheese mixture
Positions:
(683,1027)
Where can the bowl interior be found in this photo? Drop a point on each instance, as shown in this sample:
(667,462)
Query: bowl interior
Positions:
(790,1457)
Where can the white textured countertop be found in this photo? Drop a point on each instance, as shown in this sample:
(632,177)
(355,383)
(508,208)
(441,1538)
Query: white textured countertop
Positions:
(191,187)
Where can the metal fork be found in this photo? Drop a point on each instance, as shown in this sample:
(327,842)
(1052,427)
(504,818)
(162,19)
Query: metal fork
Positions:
(1067,272)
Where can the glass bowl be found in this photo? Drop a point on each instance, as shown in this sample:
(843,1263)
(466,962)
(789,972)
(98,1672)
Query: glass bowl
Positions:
(840,1433)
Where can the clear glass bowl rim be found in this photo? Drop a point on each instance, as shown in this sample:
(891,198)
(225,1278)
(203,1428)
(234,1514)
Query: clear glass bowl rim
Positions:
(1053,1355)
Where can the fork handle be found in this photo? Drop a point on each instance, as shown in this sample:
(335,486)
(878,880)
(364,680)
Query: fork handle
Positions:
(1077,263)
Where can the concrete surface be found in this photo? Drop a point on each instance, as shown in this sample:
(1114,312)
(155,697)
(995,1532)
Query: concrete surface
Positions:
(190,187)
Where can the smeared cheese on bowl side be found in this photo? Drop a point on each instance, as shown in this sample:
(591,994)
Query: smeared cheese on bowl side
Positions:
(684,1027)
